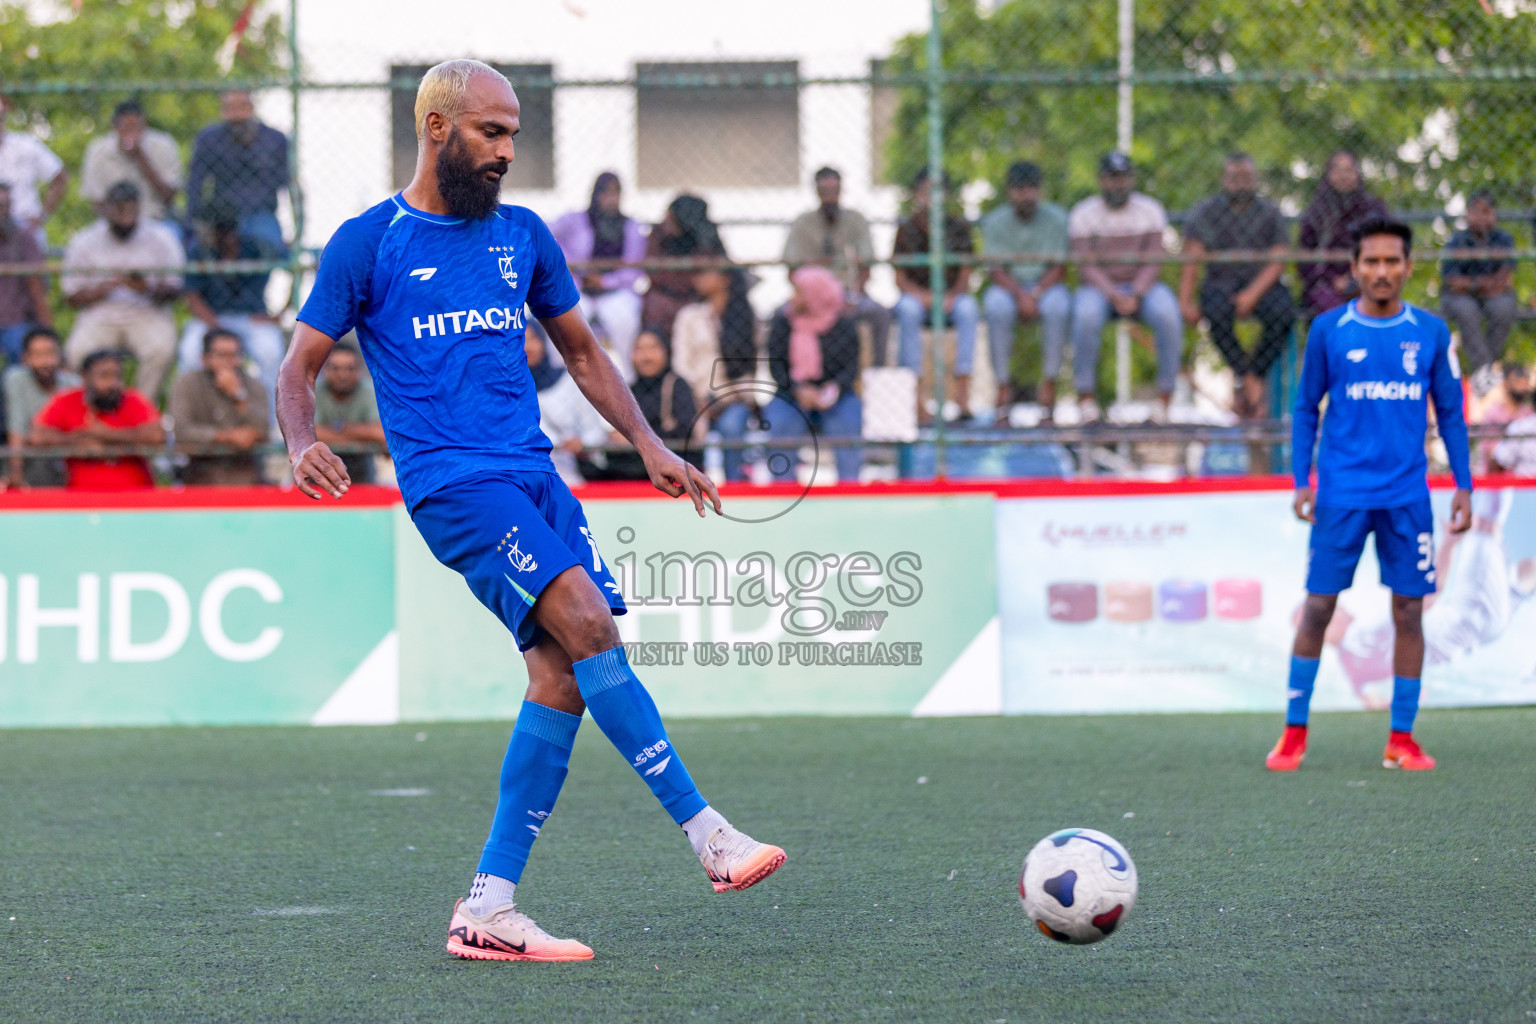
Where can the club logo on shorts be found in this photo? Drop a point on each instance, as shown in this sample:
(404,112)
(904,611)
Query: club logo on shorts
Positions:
(518,560)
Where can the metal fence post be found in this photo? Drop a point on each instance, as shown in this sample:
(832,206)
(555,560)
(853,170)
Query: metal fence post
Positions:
(295,192)
(936,232)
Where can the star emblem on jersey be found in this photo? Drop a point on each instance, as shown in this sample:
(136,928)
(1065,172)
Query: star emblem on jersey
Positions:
(519,561)
(504,264)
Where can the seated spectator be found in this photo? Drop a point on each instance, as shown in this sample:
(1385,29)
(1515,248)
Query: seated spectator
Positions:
(714,348)
(102,417)
(836,237)
(244,163)
(813,354)
(28,388)
(28,166)
(1122,222)
(1516,453)
(23,299)
(1032,290)
(346,411)
(232,302)
(686,231)
(1477,295)
(1341,205)
(1236,218)
(915,307)
(134,152)
(220,404)
(667,404)
(1500,406)
(565,415)
(608,298)
(115,274)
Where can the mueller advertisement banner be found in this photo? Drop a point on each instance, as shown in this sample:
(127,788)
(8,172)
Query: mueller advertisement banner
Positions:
(1188,602)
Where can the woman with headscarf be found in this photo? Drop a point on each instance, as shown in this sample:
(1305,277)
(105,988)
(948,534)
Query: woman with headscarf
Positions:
(1341,205)
(714,348)
(608,297)
(565,415)
(813,354)
(666,402)
(685,231)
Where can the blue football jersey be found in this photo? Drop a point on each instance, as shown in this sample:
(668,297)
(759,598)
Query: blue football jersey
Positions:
(438,305)
(1379,376)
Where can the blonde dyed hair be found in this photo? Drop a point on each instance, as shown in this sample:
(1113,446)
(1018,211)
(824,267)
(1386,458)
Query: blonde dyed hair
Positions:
(443,88)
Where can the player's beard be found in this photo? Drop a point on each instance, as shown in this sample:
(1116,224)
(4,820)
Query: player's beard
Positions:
(462,183)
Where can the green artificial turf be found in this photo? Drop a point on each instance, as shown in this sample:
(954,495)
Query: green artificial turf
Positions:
(255,875)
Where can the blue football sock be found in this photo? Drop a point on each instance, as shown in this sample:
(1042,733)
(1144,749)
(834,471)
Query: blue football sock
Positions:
(531,776)
(623,709)
(1405,703)
(1303,677)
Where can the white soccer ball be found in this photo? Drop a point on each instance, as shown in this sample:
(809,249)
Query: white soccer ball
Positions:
(1078,885)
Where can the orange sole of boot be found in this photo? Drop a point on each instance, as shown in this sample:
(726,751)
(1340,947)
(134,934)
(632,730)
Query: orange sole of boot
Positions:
(771,859)
(470,953)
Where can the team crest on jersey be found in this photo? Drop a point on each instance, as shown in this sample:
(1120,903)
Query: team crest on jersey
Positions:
(504,264)
(1411,358)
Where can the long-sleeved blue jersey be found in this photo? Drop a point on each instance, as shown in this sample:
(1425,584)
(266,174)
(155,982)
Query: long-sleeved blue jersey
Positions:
(1377,375)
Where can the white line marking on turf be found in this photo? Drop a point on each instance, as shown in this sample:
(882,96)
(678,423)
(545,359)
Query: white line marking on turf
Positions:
(399,792)
(295,912)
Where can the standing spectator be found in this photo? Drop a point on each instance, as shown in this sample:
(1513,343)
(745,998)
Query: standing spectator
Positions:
(1121,222)
(23,300)
(28,166)
(916,283)
(686,231)
(714,347)
(118,273)
(1236,218)
(133,151)
(601,232)
(233,302)
(28,389)
(1341,205)
(1032,289)
(102,417)
(220,404)
(813,354)
(836,237)
(245,163)
(1479,292)
(346,411)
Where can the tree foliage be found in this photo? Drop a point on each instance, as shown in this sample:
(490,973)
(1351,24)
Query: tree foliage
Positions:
(1433,95)
(65,69)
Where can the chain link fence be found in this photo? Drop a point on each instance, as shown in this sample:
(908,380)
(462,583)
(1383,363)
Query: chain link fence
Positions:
(998,293)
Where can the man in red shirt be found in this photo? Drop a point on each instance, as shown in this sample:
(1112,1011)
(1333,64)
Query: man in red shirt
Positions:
(103,416)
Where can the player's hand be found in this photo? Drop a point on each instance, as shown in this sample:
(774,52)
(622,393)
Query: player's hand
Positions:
(1461,511)
(672,476)
(1305,505)
(319,469)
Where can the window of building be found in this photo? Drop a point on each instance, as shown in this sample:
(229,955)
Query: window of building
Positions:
(731,124)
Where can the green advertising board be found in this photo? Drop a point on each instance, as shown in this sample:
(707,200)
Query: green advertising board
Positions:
(214,617)
(832,606)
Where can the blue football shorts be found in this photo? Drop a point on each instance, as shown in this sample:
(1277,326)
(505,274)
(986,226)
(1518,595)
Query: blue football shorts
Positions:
(508,535)
(1405,547)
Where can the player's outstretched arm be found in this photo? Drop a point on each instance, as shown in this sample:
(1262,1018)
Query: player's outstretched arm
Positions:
(315,467)
(594,373)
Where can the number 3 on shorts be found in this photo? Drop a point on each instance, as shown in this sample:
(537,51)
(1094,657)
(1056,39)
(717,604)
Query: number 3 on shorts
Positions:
(1426,551)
